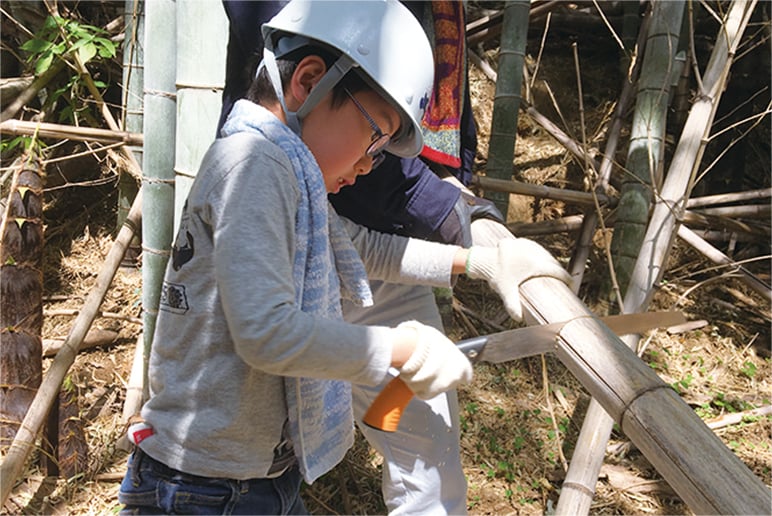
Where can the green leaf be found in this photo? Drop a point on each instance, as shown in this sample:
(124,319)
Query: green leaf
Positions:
(44,63)
(36,45)
(106,47)
(87,52)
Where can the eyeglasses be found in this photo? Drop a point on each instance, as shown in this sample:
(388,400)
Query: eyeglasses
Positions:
(379,140)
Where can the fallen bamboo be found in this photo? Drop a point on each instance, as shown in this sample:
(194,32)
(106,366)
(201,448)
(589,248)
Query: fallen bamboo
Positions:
(700,220)
(94,338)
(58,131)
(547,227)
(718,257)
(23,443)
(541,191)
(660,424)
(748,211)
(708,200)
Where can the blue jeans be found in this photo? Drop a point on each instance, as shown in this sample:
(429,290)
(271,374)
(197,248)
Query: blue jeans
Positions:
(151,487)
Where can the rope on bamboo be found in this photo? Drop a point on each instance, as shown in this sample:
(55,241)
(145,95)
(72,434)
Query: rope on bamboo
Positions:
(159,93)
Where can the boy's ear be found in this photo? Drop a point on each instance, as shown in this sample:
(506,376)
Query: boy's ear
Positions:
(307,74)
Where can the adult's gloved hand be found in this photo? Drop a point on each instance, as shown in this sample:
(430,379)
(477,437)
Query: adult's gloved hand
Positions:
(511,263)
(436,364)
(456,228)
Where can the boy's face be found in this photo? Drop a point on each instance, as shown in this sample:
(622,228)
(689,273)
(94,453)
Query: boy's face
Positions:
(339,137)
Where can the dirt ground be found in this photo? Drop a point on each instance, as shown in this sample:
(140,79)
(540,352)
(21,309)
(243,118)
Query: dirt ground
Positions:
(519,420)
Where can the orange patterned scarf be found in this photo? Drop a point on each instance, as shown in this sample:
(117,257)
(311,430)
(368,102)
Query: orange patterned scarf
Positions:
(442,120)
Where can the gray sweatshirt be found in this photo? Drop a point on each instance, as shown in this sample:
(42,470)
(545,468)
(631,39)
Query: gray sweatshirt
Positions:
(229,329)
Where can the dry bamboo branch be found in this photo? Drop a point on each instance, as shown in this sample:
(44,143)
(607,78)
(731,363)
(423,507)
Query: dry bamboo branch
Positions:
(738,417)
(718,257)
(29,94)
(23,443)
(106,315)
(749,211)
(712,222)
(58,131)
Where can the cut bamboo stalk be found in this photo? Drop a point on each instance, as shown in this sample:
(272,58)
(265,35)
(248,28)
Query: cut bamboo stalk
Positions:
(660,424)
(565,224)
(23,443)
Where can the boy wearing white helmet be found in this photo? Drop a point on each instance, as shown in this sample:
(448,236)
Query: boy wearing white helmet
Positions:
(251,366)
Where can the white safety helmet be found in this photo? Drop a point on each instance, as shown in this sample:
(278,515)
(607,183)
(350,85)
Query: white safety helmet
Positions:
(381,38)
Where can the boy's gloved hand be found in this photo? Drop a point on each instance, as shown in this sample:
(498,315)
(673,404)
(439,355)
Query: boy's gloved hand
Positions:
(512,262)
(436,365)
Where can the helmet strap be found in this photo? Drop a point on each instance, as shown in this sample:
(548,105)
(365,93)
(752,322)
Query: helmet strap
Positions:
(324,86)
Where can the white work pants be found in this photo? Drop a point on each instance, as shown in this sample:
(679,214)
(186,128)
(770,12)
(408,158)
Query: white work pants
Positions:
(422,471)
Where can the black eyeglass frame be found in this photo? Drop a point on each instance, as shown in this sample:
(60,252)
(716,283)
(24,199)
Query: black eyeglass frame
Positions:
(379,140)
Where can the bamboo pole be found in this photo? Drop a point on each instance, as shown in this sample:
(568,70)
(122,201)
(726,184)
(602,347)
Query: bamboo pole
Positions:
(15,127)
(23,443)
(541,191)
(708,200)
(704,472)
(160,101)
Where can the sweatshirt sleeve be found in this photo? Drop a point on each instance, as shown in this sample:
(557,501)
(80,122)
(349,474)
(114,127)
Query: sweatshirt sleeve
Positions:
(399,259)
(251,211)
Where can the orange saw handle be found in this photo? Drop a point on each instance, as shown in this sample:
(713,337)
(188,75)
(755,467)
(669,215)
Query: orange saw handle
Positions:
(387,409)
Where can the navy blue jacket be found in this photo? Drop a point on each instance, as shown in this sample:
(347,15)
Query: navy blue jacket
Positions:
(401,196)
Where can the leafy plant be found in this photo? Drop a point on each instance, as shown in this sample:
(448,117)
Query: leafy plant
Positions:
(59,36)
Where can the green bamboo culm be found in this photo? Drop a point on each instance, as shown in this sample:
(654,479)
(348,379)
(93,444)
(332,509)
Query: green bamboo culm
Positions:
(645,153)
(506,103)
(158,178)
(133,85)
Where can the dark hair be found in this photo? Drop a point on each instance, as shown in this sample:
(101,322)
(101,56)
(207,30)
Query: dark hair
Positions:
(261,89)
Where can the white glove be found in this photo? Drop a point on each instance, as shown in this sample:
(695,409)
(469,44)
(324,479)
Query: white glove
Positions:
(436,364)
(511,263)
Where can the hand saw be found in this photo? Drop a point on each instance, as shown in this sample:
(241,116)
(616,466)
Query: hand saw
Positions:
(387,408)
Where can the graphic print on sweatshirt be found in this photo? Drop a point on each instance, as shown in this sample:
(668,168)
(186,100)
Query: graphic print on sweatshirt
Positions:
(173,296)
